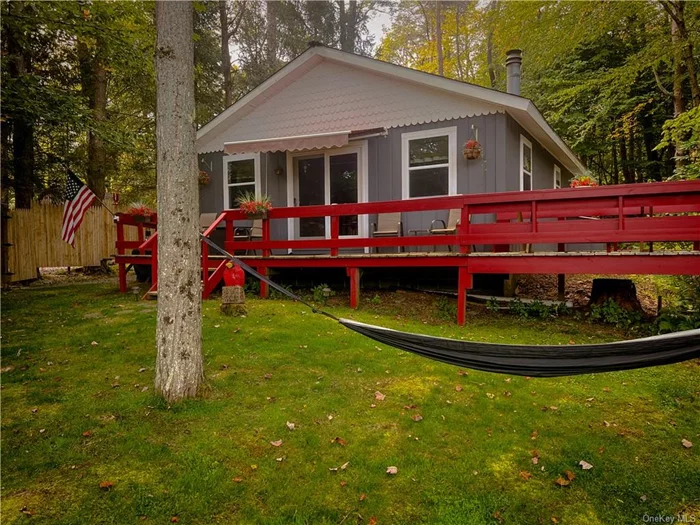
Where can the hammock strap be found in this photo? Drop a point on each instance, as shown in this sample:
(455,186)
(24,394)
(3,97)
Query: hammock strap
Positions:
(264,279)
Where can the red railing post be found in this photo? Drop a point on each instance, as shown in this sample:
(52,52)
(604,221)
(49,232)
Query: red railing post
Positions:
(464,283)
(335,232)
(205,270)
(354,274)
(266,236)
(120,251)
(463,230)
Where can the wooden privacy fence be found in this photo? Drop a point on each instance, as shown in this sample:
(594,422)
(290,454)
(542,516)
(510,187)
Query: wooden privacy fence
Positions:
(34,237)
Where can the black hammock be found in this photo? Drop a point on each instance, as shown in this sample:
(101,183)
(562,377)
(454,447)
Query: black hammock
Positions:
(523,360)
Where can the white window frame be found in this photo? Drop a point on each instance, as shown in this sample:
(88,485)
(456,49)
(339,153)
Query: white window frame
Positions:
(234,158)
(524,142)
(557,177)
(451,164)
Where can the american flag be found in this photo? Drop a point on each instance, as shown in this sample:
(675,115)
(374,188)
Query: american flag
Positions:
(78,200)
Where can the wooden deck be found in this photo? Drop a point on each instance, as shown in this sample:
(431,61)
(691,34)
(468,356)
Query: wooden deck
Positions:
(650,215)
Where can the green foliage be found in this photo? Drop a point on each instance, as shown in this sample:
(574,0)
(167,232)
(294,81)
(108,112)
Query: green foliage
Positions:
(493,305)
(195,460)
(533,310)
(376,300)
(446,308)
(612,313)
(322,293)
(684,131)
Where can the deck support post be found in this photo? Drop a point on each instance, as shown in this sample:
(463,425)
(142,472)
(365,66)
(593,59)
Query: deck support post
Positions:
(561,278)
(264,288)
(122,278)
(464,283)
(354,274)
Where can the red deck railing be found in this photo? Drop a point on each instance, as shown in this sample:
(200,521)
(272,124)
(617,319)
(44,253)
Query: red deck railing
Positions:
(609,215)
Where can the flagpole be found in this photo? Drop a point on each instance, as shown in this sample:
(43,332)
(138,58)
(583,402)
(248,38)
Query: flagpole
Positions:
(114,215)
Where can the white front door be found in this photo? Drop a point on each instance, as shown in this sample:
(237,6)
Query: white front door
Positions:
(336,176)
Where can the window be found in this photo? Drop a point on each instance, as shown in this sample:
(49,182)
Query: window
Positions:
(241,175)
(557,176)
(429,162)
(525,164)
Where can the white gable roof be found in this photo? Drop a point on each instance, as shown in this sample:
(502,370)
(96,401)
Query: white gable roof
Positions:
(326,90)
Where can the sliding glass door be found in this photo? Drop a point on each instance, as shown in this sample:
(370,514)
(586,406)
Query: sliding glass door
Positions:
(330,177)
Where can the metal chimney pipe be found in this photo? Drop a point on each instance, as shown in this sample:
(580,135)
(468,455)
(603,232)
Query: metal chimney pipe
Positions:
(514,58)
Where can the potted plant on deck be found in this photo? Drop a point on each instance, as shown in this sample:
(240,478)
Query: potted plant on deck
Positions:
(140,212)
(253,206)
(585,180)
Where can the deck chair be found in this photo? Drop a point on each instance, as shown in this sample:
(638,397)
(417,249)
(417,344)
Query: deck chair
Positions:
(206,220)
(249,233)
(453,220)
(388,225)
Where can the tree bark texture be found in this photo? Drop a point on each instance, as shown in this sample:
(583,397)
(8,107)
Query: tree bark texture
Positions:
(93,78)
(438,37)
(19,65)
(225,53)
(179,368)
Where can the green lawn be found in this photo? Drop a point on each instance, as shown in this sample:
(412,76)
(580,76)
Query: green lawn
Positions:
(77,413)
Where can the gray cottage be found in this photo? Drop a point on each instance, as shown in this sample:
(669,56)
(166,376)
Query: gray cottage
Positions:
(334,127)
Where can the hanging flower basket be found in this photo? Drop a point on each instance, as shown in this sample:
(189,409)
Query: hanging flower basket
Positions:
(254,207)
(204,178)
(471,150)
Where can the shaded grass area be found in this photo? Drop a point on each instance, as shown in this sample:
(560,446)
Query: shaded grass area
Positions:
(76,414)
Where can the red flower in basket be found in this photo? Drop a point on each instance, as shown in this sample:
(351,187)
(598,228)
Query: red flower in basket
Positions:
(472,149)
(583,181)
(254,207)
(233,275)
(140,212)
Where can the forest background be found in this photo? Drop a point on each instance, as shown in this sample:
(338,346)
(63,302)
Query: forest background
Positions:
(617,80)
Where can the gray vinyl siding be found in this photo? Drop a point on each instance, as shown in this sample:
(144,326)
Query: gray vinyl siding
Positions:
(497,170)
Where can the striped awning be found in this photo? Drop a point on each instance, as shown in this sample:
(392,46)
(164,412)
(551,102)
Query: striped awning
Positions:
(293,143)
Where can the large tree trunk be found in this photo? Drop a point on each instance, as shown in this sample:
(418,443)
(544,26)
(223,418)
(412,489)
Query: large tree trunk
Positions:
(179,368)
(271,34)
(624,161)
(93,79)
(23,165)
(489,46)
(438,37)
(225,53)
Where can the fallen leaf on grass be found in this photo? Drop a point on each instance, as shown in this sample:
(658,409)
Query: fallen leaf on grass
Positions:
(87,434)
(379,396)
(562,482)
(459,388)
(372,521)
(277,443)
(339,440)
(280,460)
(585,465)
(565,481)
(94,343)
(534,435)
(489,395)
(344,465)
(343,483)
(142,370)
(462,373)
(392,470)
(174,519)
(525,475)
(291,426)
(497,516)
(253,467)
(410,407)
(686,443)
(237,480)
(268,376)
(106,485)
(417,417)
(363,497)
